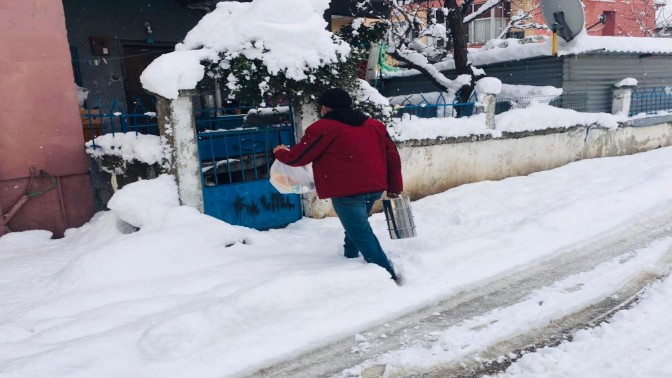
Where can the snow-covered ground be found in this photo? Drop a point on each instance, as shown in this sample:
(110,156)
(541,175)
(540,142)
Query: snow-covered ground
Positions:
(188,295)
(634,343)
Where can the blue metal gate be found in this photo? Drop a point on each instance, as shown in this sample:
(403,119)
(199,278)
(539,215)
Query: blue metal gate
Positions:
(235,162)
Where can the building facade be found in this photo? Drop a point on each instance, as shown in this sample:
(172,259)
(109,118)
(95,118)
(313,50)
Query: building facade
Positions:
(44,182)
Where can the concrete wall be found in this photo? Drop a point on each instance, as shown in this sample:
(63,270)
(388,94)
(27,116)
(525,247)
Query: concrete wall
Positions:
(39,119)
(434,166)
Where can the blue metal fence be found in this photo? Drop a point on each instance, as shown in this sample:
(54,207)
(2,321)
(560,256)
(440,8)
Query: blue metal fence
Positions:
(438,107)
(97,121)
(651,100)
(240,155)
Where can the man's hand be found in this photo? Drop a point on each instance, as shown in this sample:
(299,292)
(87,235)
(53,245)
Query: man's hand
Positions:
(280,147)
(392,195)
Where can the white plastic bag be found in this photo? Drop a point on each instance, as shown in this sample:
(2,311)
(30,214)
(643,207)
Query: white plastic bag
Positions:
(291,180)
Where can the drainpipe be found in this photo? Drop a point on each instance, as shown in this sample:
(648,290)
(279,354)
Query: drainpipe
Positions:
(178,138)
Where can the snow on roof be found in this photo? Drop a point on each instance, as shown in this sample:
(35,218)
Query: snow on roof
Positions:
(288,35)
(504,50)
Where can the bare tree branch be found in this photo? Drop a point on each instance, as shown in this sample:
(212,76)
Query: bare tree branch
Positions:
(523,21)
(484,8)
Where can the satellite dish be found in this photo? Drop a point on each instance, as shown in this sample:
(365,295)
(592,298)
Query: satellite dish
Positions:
(564,17)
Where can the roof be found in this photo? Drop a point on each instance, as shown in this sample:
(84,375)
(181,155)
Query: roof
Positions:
(498,51)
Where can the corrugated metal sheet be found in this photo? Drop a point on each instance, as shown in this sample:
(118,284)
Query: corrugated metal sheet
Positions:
(596,74)
(535,71)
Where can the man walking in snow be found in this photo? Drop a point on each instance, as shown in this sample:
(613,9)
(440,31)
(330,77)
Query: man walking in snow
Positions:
(354,161)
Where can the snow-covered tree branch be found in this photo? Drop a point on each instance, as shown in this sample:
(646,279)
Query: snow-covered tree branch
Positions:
(523,20)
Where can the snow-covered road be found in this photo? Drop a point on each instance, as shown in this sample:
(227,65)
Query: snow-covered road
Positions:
(484,328)
(190,296)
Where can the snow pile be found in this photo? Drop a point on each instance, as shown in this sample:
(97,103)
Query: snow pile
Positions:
(129,146)
(175,71)
(489,85)
(145,202)
(414,128)
(288,36)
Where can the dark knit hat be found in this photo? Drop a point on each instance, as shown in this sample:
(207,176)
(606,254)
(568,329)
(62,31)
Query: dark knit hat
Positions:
(335,98)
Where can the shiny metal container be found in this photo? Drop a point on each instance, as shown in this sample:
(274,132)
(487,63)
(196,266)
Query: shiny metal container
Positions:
(399,217)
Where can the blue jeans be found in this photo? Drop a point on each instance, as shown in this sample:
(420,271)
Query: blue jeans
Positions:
(353,212)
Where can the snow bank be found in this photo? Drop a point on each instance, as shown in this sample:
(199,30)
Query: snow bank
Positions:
(145,202)
(541,116)
(534,117)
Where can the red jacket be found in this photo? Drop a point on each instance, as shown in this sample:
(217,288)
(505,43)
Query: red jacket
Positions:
(347,160)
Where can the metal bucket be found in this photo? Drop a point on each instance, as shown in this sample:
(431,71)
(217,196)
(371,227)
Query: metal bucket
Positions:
(399,218)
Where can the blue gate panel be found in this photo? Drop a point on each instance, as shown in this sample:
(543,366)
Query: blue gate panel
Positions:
(254,204)
(235,168)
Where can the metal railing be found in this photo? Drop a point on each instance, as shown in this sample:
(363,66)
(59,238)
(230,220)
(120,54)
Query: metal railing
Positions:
(235,144)
(97,122)
(438,107)
(650,100)
(574,101)
(240,155)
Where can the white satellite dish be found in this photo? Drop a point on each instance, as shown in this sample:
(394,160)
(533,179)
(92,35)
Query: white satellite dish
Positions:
(563,17)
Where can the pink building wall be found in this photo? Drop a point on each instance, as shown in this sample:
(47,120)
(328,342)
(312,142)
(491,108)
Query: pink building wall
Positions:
(39,120)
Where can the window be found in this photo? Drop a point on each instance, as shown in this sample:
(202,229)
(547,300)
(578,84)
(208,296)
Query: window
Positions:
(489,24)
(482,30)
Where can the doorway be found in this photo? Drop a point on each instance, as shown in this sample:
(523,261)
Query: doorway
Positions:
(136,57)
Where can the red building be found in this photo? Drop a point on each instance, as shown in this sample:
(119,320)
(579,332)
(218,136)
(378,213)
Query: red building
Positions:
(41,130)
(620,18)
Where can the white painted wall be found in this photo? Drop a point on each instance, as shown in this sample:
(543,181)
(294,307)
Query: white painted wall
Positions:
(439,166)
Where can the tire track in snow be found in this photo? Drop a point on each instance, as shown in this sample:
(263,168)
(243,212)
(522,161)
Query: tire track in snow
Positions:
(334,359)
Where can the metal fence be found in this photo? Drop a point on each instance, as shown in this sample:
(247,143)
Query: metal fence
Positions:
(241,155)
(651,100)
(438,107)
(97,122)
(574,101)
(235,144)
